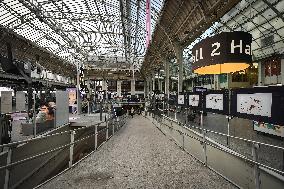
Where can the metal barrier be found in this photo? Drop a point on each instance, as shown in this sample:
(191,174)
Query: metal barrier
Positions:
(18,165)
(243,171)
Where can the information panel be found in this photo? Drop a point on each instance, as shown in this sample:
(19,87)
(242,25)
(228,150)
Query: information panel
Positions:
(20,101)
(62,108)
(6,101)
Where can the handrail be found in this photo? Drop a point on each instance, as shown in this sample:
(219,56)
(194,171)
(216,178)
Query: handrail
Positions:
(121,122)
(223,134)
(230,151)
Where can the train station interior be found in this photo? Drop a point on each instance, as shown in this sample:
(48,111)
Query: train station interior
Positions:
(141,94)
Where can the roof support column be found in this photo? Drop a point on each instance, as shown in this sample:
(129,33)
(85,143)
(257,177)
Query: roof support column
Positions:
(179,52)
(167,78)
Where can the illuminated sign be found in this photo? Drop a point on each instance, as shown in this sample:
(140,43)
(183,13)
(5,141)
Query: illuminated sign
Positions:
(223,53)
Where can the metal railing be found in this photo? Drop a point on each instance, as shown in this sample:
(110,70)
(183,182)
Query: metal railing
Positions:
(106,130)
(179,132)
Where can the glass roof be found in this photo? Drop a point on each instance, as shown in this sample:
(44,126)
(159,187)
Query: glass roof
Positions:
(78,30)
(263,19)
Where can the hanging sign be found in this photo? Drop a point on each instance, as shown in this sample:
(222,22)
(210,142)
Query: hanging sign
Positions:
(223,53)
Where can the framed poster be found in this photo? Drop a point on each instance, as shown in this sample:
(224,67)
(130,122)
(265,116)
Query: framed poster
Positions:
(216,101)
(263,104)
(193,100)
(181,100)
(255,104)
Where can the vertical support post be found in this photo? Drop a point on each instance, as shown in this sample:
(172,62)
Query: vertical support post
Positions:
(30,96)
(71,148)
(228,130)
(106,129)
(7,173)
(112,129)
(186,114)
(167,83)
(180,66)
(282,71)
(182,140)
(88,106)
(96,137)
(132,86)
(101,110)
(256,169)
(176,113)
(118,88)
(204,138)
(34,107)
(78,88)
